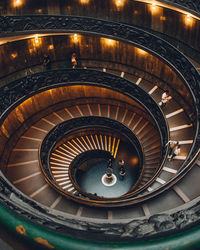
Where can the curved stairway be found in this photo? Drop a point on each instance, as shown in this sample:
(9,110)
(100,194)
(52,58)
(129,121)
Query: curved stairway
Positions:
(24,168)
(162,206)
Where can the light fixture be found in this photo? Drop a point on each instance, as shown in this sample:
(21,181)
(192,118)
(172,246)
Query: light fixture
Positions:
(36,39)
(162,18)
(75,38)
(14,55)
(141,51)
(188,19)
(84,1)
(153,7)
(35,42)
(51,47)
(119,3)
(17,3)
(39,11)
(109,42)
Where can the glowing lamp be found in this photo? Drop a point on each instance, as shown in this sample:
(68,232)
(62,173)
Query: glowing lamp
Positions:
(84,1)
(109,42)
(14,55)
(75,38)
(188,19)
(39,10)
(119,3)
(36,39)
(141,51)
(51,46)
(17,3)
(154,8)
(162,18)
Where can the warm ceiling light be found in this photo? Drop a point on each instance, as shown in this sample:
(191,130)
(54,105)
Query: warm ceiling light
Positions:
(141,51)
(84,1)
(39,11)
(153,7)
(14,55)
(119,3)
(36,39)
(51,46)
(109,42)
(75,38)
(162,18)
(17,3)
(188,19)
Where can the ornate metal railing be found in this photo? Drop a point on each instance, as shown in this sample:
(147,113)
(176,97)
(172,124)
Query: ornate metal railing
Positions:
(188,5)
(10,25)
(145,228)
(11,198)
(65,128)
(21,89)
(163,50)
(193,5)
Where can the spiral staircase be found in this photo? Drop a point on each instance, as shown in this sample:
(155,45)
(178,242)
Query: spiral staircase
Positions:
(61,125)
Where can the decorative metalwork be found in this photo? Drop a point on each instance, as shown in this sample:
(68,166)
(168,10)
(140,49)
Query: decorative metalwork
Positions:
(30,85)
(193,5)
(62,129)
(11,198)
(156,225)
(130,34)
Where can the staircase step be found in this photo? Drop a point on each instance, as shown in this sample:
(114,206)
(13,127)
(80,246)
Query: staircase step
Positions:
(155,156)
(152,147)
(155,151)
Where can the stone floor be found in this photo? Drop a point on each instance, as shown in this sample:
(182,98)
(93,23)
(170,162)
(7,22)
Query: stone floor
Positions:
(91,181)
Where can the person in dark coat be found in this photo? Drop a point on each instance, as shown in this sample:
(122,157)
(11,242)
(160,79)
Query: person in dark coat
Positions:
(46,62)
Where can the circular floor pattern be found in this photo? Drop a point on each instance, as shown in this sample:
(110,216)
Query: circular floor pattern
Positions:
(91,180)
(110,183)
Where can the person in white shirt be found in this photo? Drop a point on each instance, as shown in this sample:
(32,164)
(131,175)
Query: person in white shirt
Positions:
(172,145)
(176,151)
(74,60)
(165,98)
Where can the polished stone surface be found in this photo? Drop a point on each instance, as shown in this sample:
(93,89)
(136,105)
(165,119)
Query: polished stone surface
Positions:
(91,180)
(109,183)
